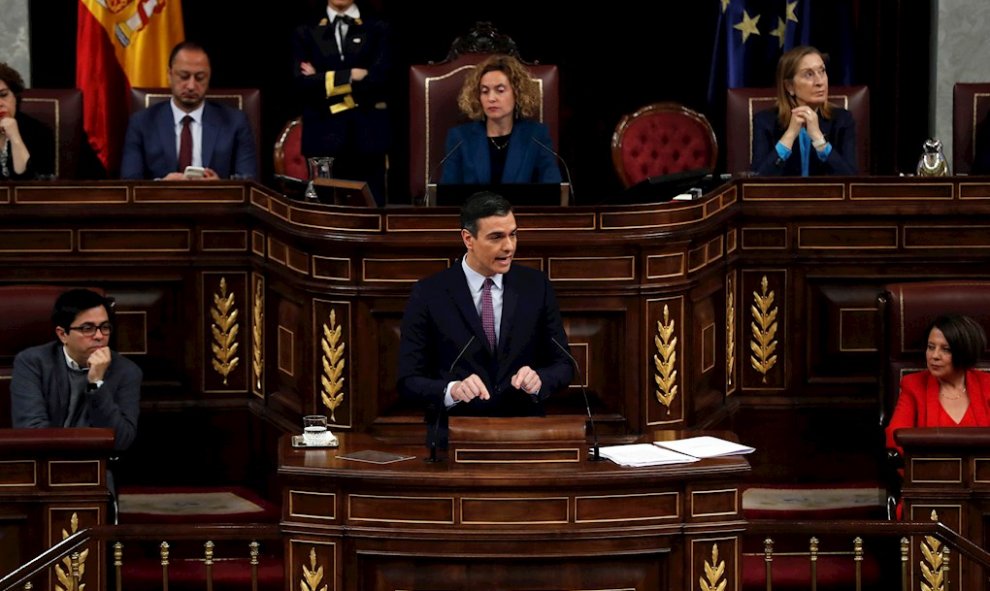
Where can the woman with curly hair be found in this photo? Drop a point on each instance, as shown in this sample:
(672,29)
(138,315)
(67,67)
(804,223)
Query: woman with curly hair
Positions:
(27,146)
(501,145)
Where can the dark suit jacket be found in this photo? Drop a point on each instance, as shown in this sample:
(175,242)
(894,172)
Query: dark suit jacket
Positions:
(840,131)
(441,318)
(39,393)
(525,162)
(150,152)
(40,142)
(363,129)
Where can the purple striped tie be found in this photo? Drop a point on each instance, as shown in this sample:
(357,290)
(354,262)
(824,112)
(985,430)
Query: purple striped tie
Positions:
(488,312)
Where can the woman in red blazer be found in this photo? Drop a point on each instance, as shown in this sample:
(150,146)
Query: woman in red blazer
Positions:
(951,393)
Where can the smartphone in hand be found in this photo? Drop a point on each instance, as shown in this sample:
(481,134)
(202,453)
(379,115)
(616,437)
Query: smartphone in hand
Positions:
(194,172)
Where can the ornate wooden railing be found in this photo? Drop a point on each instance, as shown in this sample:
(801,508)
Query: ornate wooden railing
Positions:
(928,546)
(64,564)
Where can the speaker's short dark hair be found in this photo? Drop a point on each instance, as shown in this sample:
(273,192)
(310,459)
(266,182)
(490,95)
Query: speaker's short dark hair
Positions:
(483,204)
(190,45)
(967,339)
(70,303)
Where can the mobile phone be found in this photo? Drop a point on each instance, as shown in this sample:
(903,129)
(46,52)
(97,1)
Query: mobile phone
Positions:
(194,172)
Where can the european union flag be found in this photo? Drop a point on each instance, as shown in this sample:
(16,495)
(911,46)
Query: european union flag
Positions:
(750,36)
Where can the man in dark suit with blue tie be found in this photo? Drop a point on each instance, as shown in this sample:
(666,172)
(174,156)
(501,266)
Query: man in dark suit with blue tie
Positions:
(484,337)
(187,130)
(341,66)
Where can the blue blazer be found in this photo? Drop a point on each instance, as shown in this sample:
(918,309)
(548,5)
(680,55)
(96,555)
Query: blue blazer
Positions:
(441,318)
(150,152)
(840,131)
(526,161)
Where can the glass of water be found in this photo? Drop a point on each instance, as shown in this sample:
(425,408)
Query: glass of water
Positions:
(320,167)
(315,431)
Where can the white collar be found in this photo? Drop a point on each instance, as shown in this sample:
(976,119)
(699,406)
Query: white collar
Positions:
(178,114)
(352,11)
(71,362)
(475,279)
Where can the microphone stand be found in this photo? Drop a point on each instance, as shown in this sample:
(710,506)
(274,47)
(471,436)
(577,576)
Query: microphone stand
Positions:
(596,451)
(440,408)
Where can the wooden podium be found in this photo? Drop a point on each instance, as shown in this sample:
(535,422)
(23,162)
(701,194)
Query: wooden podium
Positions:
(53,482)
(947,472)
(536,526)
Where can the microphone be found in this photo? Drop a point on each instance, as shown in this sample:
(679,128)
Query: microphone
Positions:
(433,436)
(596,457)
(567,171)
(436,169)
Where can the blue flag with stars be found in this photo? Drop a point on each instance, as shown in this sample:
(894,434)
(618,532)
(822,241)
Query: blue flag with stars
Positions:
(750,37)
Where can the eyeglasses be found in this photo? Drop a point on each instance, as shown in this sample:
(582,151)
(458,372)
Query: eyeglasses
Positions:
(90,329)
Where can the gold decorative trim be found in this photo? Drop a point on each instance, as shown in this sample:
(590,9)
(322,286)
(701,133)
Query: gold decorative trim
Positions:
(242,234)
(4,242)
(289,339)
(103,232)
(573,453)
(554,501)
(44,190)
(708,340)
(312,576)
(96,470)
(752,231)
(75,566)
(34,471)
(664,359)
(911,229)
(714,571)
(678,255)
(621,498)
(364,269)
(225,329)
(630,259)
(764,329)
(928,196)
(351,517)
(730,332)
(177,197)
(258,336)
(892,230)
(959,470)
(332,379)
(748,188)
(735,501)
(332,503)
(315,258)
(933,568)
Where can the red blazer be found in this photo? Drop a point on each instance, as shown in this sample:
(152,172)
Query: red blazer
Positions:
(918,405)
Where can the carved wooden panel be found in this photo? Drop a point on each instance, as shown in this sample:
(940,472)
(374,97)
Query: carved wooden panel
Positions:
(226,311)
(333,376)
(763,351)
(665,380)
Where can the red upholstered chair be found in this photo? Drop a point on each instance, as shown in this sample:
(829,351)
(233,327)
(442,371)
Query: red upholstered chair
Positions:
(61,110)
(433,90)
(742,103)
(242,99)
(27,314)
(970,106)
(289,159)
(662,139)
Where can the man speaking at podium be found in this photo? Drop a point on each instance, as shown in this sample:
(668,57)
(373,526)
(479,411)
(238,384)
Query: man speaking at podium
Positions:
(478,338)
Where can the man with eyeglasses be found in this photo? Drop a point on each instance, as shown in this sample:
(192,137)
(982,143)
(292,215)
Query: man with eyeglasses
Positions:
(77,381)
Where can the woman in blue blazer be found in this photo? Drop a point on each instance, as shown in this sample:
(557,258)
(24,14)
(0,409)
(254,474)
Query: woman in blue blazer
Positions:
(805,135)
(501,145)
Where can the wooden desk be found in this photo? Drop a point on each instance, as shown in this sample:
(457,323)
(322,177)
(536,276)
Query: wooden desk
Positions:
(586,525)
(947,471)
(52,483)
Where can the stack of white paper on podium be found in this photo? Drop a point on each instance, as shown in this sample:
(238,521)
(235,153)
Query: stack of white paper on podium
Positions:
(644,454)
(680,451)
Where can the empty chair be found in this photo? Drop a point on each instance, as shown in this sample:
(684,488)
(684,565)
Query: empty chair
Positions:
(662,139)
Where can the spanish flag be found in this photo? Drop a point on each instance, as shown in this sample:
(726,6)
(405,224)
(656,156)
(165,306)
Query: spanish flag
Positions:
(121,44)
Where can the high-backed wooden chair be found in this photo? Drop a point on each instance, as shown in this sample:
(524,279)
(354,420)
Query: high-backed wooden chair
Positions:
(742,103)
(242,99)
(662,139)
(970,107)
(433,90)
(61,110)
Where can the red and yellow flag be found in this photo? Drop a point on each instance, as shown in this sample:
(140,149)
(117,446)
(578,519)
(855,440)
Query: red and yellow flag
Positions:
(121,44)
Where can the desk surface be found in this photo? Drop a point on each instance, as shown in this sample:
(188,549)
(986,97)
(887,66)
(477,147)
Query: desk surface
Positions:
(416,471)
